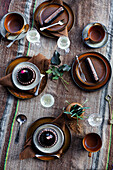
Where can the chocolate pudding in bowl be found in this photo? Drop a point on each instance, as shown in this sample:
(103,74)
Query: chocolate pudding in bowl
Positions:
(48,138)
(26,75)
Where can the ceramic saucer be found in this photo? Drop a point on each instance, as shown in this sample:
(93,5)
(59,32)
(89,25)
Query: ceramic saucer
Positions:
(29,86)
(89,43)
(3,30)
(57,146)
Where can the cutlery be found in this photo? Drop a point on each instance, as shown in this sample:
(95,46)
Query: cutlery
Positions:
(23,32)
(39,156)
(36,93)
(21,119)
(57,23)
(108,99)
(82,74)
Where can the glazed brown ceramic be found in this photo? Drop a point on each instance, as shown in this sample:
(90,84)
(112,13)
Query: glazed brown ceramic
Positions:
(96,33)
(46,32)
(14,23)
(92,143)
(69,109)
(19,93)
(102,67)
(47,11)
(44,120)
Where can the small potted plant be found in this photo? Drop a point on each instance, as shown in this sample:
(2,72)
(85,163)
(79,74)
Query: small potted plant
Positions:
(75,111)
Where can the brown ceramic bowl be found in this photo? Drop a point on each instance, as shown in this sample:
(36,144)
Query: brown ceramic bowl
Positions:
(92,143)
(96,33)
(14,23)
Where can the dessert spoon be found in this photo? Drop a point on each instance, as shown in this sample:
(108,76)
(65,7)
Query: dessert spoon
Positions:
(57,23)
(23,32)
(21,119)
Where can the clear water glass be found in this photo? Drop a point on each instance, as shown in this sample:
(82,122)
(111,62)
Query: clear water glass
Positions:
(63,44)
(47,100)
(33,36)
(95,119)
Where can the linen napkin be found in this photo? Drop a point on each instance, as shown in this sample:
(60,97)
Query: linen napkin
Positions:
(28,151)
(39,60)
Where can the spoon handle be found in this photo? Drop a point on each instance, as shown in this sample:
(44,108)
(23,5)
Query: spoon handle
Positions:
(17,136)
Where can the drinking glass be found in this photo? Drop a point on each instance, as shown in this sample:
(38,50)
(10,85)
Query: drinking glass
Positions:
(95,119)
(47,100)
(33,37)
(63,44)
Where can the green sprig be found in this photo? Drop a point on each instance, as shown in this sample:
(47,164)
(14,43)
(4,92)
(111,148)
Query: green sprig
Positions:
(57,72)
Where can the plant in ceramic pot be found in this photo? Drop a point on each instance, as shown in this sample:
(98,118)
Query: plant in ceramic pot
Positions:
(75,110)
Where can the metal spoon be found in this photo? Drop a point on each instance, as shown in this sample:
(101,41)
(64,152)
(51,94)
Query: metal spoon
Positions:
(57,23)
(23,32)
(56,155)
(108,99)
(21,119)
(36,93)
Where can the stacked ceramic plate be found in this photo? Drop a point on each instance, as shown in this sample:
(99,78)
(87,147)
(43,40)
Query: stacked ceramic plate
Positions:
(49,140)
(51,13)
(97,72)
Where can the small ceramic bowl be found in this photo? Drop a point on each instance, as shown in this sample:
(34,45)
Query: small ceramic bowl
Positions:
(26,75)
(69,107)
(48,138)
(14,23)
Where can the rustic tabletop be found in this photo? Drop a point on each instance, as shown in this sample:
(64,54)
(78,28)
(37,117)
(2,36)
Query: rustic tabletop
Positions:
(76,157)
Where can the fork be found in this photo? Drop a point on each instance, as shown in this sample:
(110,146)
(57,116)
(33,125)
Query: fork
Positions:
(57,23)
(82,74)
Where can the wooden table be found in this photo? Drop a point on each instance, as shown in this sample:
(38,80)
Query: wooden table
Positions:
(76,157)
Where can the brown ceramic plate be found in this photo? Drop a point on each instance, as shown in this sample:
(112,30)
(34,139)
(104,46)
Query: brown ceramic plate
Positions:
(44,120)
(18,93)
(46,32)
(47,10)
(102,67)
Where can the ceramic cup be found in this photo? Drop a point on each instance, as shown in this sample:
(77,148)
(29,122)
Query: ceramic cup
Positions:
(14,23)
(96,33)
(92,143)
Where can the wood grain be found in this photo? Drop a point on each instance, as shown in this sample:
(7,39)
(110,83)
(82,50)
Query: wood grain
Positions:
(76,158)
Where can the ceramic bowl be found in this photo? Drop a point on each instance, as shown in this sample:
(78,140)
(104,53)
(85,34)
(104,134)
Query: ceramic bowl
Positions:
(14,23)
(26,75)
(48,138)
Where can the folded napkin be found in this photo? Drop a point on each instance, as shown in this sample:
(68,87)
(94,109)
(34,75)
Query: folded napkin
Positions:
(28,151)
(65,31)
(40,61)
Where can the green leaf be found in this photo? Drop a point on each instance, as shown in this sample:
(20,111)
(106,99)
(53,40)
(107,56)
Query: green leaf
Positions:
(49,71)
(67,112)
(55,78)
(55,60)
